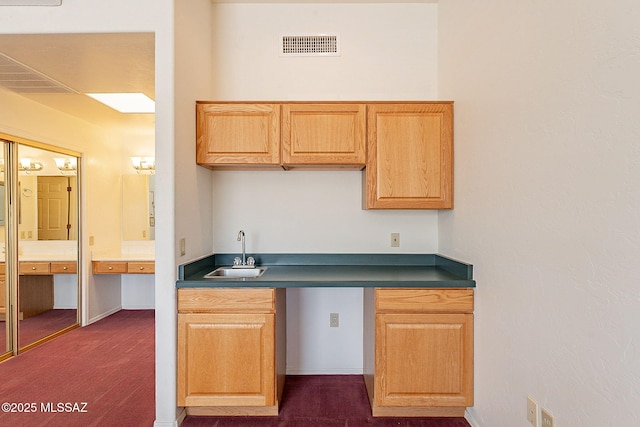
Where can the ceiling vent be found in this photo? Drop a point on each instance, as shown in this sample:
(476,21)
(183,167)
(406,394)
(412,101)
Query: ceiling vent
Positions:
(20,78)
(310,45)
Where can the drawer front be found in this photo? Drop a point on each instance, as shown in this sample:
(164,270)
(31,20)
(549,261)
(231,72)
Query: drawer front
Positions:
(143,267)
(226,300)
(34,268)
(60,267)
(109,267)
(424,300)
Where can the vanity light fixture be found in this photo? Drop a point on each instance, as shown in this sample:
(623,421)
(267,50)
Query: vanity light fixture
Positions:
(28,166)
(144,165)
(66,165)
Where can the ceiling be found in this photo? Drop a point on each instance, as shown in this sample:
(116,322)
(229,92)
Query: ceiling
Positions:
(87,63)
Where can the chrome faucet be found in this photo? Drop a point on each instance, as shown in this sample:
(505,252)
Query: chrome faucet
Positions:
(241,239)
(243,262)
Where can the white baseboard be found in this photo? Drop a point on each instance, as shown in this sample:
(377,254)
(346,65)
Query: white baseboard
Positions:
(470,419)
(105,314)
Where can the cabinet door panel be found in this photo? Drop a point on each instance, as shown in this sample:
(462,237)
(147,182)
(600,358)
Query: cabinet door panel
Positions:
(226,360)
(424,360)
(324,134)
(237,133)
(410,160)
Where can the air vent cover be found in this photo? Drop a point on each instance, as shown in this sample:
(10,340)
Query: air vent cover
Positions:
(310,45)
(20,78)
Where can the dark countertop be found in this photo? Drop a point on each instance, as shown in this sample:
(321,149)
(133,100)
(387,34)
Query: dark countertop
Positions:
(334,270)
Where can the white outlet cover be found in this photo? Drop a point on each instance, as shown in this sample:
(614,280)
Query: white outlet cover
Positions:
(547,418)
(532,411)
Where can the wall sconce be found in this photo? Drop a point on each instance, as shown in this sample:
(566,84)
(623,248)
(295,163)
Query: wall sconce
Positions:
(67,166)
(144,165)
(27,166)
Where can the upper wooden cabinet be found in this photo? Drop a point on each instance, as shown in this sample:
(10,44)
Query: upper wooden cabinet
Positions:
(321,134)
(406,148)
(410,156)
(232,134)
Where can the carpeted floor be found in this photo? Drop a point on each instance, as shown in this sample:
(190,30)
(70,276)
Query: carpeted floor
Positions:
(39,326)
(323,401)
(99,375)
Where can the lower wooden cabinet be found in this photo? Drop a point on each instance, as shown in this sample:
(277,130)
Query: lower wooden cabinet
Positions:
(231,351)
(419,351)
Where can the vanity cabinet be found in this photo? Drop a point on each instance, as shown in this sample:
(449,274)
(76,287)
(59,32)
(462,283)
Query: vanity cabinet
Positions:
(237,134)
(419,351)
(231,350)
(123,267)
(410,156)
(324,134)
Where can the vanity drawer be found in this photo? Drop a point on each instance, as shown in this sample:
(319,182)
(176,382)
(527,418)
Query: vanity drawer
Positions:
(63,267)
(34,268)
(204,300)
(141,267)
(109,267)
(424,300)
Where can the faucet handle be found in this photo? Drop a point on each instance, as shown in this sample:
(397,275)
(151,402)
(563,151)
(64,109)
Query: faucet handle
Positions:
(251,262)
(237,261)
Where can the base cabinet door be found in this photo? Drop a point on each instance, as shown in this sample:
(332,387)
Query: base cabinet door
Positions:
(424,360)
(226,359)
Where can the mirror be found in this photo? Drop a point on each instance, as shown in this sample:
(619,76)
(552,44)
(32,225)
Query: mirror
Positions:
(48,212)
(138,207)
(48,208)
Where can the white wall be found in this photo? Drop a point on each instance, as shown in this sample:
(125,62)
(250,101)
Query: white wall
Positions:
(548,203)
(388,52)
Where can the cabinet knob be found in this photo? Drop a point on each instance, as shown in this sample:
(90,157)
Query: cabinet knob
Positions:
(141,268)
(64,268)
(110,268)
(33,268)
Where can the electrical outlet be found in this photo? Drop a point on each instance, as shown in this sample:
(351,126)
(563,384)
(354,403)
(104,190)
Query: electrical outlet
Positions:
(183,246)
(532,411)
(334,320)
(91,240)
(395,240)
(547,418)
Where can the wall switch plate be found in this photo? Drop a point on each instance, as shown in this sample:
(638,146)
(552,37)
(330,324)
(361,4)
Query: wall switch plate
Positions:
(334,320)
(547,418)
(395,240)
(183,246)
(532,411)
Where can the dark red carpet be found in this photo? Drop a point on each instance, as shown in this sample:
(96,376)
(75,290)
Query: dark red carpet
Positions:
(103,374)
(323,401)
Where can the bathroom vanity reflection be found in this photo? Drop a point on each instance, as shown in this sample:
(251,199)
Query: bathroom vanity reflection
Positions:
(39,270)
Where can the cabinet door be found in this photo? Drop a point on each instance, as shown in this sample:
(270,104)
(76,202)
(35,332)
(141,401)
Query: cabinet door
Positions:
(410,156)
(237,134)
(424,360)
(324,134)
(226,360)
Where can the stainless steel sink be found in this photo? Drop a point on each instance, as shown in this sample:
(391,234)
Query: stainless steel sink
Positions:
(236,273)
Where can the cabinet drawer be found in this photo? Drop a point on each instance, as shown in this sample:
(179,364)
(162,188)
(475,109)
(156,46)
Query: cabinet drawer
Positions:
(34,268)
(63,267)
(141,267)
(109,267)
(226,300)
(424,300)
